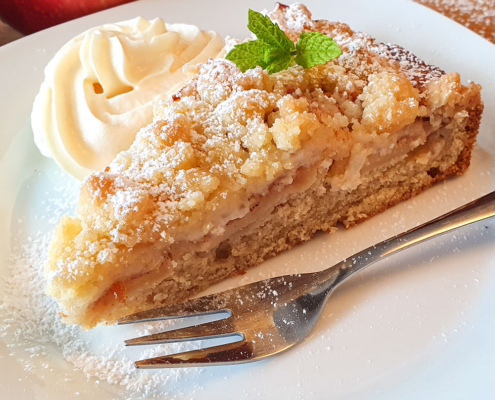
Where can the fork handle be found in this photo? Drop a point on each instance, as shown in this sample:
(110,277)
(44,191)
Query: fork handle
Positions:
(475,211)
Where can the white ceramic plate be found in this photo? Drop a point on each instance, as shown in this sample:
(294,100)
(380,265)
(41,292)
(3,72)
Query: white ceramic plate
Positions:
(418,326)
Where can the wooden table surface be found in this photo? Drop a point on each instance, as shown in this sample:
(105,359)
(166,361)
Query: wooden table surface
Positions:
(477,15)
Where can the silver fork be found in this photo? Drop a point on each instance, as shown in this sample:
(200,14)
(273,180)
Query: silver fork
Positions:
(273,315)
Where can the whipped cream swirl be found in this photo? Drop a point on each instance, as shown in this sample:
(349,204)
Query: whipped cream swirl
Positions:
(100,88)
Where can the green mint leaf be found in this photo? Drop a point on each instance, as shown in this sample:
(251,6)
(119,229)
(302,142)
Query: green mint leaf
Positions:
(315,48)
(274,51)
(248,55)
(268,32)
(276,60)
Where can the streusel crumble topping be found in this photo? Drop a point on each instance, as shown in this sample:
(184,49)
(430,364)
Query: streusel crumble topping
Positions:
(228,135)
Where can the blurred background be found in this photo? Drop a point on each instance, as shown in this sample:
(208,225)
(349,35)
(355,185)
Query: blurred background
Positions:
(24,17)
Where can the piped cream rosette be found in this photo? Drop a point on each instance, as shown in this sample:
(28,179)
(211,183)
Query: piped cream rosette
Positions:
(100,88)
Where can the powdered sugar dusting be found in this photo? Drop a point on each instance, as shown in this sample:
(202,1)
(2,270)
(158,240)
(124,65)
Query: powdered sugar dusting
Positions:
(33,330)
(418,72)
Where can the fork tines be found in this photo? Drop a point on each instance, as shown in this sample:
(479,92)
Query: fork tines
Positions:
(223,328)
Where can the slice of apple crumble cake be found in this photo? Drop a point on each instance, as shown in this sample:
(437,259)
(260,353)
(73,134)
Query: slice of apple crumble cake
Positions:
(238,167)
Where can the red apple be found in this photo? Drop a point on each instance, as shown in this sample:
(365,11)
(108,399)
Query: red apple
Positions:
(28,16)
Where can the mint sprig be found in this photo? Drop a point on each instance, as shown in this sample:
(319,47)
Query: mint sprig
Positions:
(274,51)
(268,32)
(315,48)
(245,55)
